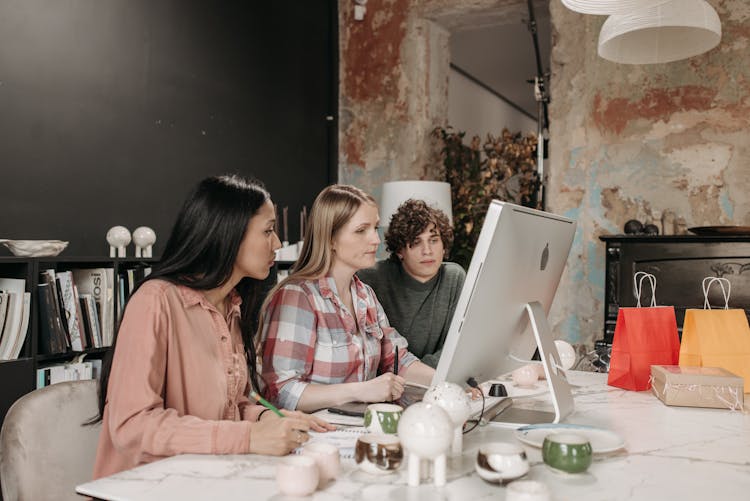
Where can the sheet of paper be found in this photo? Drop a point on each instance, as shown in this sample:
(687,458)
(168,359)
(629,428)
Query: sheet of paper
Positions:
(345,438)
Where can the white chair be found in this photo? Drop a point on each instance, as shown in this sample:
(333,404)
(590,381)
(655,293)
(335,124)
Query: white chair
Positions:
(45,451)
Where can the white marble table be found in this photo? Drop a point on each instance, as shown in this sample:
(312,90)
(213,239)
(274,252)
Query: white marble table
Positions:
(671,453)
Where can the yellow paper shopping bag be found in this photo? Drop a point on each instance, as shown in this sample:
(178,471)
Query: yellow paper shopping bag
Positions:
(717,337)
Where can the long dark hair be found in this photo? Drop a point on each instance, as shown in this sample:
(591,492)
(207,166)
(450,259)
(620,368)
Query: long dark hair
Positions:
(201,252)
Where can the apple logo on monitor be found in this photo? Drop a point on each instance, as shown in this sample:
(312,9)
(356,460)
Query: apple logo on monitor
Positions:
(545,257)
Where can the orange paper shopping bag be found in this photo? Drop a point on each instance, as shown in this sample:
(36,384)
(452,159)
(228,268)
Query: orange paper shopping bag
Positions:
(717,337)
(644,336)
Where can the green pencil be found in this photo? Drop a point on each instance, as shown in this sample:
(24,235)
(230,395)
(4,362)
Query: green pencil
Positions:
(265,403)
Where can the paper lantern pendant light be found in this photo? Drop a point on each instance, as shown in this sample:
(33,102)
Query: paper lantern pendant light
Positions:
(674,30)
(607,7)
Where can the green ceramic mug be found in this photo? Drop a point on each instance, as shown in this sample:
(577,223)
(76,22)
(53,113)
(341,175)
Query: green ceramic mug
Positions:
(567,452)
(383,418)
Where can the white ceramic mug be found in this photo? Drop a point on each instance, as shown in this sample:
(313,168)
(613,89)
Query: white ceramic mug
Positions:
(501,462)
(327,458)
(567,354)
(378,454)
(525,376)
(383,418)
(297,475)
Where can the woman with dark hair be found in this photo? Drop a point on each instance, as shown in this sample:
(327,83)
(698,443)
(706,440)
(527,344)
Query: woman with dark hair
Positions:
(325,338)
(176,379)
(417,288)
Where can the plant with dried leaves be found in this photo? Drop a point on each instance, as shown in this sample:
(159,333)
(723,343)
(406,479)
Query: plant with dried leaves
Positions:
(502,168)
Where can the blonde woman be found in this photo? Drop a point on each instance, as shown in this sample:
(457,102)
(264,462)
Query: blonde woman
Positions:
(325,339)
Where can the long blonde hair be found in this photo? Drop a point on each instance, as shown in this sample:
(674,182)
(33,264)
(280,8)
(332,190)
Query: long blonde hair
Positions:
(332,209)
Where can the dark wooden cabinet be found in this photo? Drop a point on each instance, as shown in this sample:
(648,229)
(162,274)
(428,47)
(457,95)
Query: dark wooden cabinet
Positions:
(679,264)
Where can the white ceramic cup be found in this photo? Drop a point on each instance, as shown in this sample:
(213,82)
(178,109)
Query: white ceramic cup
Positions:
(327,458)
(525,376)
(527,490)
(297,475)
(501,462)
(378,454)
(567,353)
(383,418)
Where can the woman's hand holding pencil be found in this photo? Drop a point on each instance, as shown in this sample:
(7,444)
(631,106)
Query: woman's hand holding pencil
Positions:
(277,437)
(316,424)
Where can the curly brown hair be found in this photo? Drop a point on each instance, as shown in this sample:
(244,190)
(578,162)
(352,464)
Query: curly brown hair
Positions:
(411,219)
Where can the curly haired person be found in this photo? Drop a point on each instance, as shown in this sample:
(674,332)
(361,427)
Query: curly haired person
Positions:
(416,287)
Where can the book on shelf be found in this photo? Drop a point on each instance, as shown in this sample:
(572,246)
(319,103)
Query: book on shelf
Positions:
(120,295)
(14,325)
(131,280)
(71,308)
(88,303)
(21,338)
(99,283)
(55,304)
(4,298)
(86,323)
(71,371)
(51,332)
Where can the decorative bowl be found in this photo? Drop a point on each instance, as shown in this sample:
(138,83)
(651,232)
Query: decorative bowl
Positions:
(35,248)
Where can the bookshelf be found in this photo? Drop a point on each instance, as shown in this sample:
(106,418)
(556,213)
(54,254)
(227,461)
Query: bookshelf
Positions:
(19,375)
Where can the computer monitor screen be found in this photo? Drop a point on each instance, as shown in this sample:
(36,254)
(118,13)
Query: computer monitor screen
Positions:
(519,259)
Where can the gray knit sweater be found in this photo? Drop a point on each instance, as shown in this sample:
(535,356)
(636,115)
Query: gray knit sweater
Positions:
(421,312)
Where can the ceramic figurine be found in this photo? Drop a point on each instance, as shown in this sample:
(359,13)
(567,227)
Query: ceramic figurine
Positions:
(426,432)
(118,238)
(144,239)
(455,402)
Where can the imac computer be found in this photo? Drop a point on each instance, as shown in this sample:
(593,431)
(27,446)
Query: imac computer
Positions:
(501,315)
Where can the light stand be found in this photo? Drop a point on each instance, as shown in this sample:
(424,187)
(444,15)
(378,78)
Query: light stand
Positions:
(542,98)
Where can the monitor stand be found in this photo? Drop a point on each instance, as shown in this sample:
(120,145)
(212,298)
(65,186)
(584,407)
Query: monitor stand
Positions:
(562,398)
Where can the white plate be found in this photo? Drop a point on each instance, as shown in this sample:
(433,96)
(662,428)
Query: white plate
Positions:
(601,440)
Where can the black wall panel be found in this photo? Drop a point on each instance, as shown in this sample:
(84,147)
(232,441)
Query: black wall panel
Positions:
(110,110)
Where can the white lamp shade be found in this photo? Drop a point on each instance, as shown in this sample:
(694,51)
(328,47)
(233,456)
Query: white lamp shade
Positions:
(435,193)
(669,32)
(608,7)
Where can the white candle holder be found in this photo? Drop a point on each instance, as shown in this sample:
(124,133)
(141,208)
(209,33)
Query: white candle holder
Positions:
(455,402)
(426,432)
(144,239)
(118,237)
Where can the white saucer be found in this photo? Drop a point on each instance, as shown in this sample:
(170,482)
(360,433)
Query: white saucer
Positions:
(602,440)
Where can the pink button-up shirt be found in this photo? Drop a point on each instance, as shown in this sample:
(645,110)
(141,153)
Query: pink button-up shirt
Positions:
(179,381)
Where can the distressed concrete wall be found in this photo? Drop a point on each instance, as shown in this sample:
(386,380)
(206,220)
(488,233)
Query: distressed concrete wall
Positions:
(393,90)
(632,141)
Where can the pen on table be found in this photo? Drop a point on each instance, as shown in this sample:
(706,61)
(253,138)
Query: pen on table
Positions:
(395,363)
(265,403)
